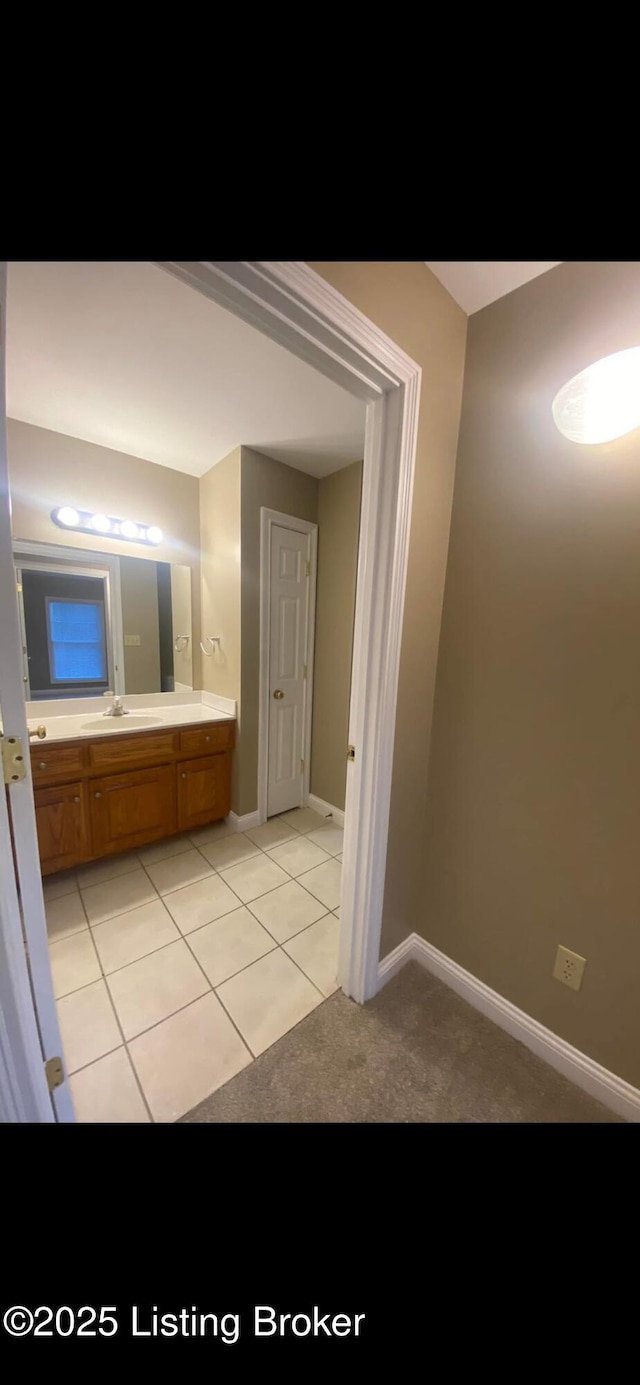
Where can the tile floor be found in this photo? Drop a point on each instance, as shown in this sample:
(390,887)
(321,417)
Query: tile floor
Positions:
(174,967)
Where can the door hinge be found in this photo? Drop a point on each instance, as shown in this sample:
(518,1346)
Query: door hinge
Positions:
(13,765)
(307,570)
(302,766)
(54,1073)
(351,752)
(304,670)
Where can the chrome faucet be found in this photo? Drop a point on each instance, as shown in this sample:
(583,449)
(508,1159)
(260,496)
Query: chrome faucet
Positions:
(117,709)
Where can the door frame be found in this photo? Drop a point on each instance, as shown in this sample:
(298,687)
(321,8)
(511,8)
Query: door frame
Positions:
(301,526)
(297,308)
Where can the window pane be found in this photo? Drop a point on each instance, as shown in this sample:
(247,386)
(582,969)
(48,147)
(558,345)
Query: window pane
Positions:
(76,634)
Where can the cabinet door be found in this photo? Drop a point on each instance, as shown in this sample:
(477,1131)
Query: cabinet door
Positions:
(130,809)
(204,790)
(61,817)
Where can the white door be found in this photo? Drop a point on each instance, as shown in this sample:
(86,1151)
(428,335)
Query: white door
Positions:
(290,619)
(29,1032)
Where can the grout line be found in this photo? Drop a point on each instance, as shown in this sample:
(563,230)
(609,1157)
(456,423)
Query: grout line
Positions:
(211,989)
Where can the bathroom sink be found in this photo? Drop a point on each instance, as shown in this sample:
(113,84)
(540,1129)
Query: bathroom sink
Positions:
(127,723)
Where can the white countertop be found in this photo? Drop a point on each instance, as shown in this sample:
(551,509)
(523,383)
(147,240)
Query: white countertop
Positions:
(153,718)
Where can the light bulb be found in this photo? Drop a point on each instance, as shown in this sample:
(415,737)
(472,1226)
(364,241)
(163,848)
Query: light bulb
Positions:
(67,516)
(154,535)
(101,524)
(603,401)
(129,529)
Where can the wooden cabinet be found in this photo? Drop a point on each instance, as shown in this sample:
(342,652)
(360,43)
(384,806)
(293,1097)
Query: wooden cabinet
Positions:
(204,790)
(109,793)
(61,818)
(130,809)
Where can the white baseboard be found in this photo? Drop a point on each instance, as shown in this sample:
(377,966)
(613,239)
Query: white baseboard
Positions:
(319,805)
(612,1091)
(245,823)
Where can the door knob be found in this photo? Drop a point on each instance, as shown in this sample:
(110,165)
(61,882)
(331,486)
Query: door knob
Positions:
(278,693)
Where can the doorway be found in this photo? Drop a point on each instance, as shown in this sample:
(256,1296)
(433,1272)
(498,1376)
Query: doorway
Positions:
(294,307)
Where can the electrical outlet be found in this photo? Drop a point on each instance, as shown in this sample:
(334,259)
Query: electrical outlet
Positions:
(569,968)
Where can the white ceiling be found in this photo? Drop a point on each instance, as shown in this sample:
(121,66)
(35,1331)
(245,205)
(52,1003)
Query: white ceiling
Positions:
(476,283)
(124,355)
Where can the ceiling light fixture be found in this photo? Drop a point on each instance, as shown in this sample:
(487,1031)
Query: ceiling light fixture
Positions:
(603,401)
(88,523)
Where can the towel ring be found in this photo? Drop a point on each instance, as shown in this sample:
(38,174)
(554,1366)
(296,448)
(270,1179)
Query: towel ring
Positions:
(212,640)
(180,648)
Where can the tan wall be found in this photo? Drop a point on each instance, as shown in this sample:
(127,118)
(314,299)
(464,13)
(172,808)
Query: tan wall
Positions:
(139,592)
(276,487)
(408,303)
(220,565)
(48,469)
(535,772)
(338,532)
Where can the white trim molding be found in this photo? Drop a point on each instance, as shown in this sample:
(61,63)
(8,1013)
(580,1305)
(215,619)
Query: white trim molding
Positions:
(246,822)
(327,810)
(584,1072)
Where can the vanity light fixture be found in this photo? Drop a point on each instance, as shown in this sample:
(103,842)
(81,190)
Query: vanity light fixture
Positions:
(603,401)
(66,517)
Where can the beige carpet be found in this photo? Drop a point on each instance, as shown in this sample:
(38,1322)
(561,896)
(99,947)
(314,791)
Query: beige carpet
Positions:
(414,1053)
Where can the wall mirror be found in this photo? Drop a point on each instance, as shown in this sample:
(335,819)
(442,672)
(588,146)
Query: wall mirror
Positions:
(95,621)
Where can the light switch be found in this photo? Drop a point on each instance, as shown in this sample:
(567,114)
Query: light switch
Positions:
(132,639)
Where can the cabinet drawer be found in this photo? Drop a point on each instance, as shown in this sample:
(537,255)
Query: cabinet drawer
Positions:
(125,751)
(55,762)
(206,740)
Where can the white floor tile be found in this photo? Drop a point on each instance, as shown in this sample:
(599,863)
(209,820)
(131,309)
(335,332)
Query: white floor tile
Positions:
(74,963)
(337,912)
(117,896)
(162,851)
(229,944)
(153,988)
(130,936)
(188,1057)
(267,999)
(88,1025)
(339,857)
(329,838)
(213,833)
(287,910)
(254,877)
(303,819)
(298,856)
(230,851)
(107,1092)
(316,951)
(179,870)
(325,883)
(65,916)
(201,903)
(57,885)
(98,871)
(272,833)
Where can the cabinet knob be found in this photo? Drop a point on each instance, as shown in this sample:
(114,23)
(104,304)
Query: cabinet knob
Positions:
(183,775)
(77,798)
(42,765)
(207,739)
(97,795)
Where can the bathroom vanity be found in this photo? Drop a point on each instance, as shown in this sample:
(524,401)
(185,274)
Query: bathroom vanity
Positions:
(104,786)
